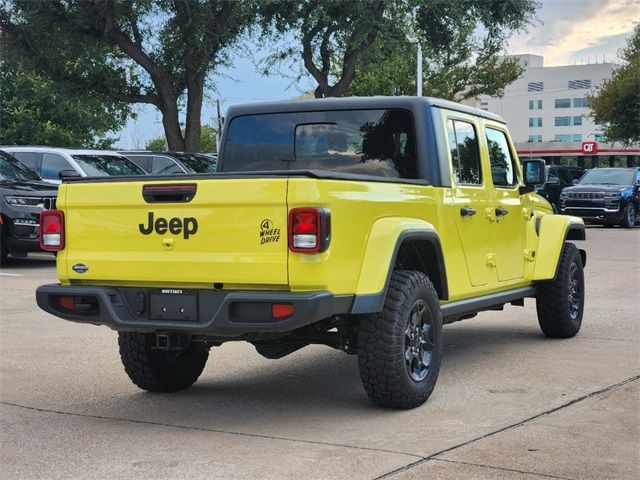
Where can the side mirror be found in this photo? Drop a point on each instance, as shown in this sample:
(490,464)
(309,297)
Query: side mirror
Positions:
(64,174)
(575,181)
(533,172)
(533,175)
(553,181)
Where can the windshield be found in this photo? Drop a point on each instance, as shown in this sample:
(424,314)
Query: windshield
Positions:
(607,176)
(369,142)
(12,169)
(106,165)
(198,162)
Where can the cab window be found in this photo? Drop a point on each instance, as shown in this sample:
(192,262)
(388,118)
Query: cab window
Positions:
(503,171)
(463,144)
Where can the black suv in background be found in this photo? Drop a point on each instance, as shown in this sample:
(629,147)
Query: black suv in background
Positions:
(169,163)
(558,177)
(606,196)
(23,195)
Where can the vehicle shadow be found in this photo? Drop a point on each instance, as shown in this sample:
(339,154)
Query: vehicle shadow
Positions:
(301,388)
(32,261)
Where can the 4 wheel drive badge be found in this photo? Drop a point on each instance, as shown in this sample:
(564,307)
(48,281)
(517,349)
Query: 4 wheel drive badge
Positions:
(80,268)
(268,234)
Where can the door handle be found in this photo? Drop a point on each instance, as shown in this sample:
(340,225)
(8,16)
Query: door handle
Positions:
(501,211)
(467,211)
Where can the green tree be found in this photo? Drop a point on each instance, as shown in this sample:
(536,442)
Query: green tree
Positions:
(156,145)
(36,110)
(207,141)
(367,47)
(463,46)
(333,35)
(616,104)
(156,52)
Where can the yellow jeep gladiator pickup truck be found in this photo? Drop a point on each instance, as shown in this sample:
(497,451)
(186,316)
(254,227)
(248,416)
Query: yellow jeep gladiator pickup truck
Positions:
(364,224)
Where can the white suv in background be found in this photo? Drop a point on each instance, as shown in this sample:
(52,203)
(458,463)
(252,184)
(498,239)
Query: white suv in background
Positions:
(48,162)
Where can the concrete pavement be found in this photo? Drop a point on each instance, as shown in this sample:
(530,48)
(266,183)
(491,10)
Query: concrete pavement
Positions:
(509,403)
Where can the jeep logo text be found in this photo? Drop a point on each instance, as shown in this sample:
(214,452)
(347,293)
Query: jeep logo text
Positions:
(187,226)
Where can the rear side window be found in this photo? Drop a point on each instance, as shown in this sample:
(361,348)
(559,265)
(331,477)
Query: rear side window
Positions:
(29,159)
(368,142)
(105,165)
(53,164)
(164,166)
(463,144)
(143,161)
(502,169)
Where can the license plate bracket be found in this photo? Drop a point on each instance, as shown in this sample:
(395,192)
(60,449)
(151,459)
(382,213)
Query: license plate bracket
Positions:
(173,305)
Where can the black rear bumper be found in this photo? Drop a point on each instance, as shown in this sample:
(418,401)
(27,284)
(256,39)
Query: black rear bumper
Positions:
(219,313)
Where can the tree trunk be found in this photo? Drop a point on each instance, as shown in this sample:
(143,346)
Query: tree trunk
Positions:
(171,124)
(195,94)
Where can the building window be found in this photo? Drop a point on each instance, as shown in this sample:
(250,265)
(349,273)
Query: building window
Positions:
(535,104)
(535,121)
(535,138)
(563,121)
(579,84)
(484,104)
(577,120)
(576,137)
(563,103)
(599,137)
(535,86)
(580,102)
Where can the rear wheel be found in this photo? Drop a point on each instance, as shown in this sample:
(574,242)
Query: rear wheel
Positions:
(560,302)
(400,348)
(160,370)
(629,216)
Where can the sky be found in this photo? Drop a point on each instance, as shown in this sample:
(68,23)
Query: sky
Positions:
(565,32)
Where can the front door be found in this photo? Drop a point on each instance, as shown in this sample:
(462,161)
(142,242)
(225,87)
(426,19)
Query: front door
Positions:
(508,216)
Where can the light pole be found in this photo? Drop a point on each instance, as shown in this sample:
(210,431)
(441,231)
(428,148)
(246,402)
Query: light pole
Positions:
(419,71)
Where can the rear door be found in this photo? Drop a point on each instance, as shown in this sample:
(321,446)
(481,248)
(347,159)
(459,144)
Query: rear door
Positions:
(471,198)
(228,231)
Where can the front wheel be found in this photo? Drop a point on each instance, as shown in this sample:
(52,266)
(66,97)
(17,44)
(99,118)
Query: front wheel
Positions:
(400,348)
(629,216)
(560,302)
(160,370)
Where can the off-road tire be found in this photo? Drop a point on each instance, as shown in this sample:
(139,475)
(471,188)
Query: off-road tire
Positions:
(629,216)
(382,343)
(160,370)
(557,316)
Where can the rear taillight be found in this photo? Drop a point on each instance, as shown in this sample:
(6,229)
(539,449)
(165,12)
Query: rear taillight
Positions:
(309,230)
(52,230)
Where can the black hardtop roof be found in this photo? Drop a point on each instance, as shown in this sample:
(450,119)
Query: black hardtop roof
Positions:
(355,103)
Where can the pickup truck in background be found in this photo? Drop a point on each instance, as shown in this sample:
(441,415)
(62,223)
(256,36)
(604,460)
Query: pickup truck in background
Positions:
(364,224)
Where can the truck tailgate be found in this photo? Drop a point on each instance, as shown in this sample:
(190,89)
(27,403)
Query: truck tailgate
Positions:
(233,231)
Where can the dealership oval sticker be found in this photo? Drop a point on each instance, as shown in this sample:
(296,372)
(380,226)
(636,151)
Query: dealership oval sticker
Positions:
(80,268)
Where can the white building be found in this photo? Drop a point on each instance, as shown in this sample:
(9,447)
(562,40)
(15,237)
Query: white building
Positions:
(547,113)
(549,104)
